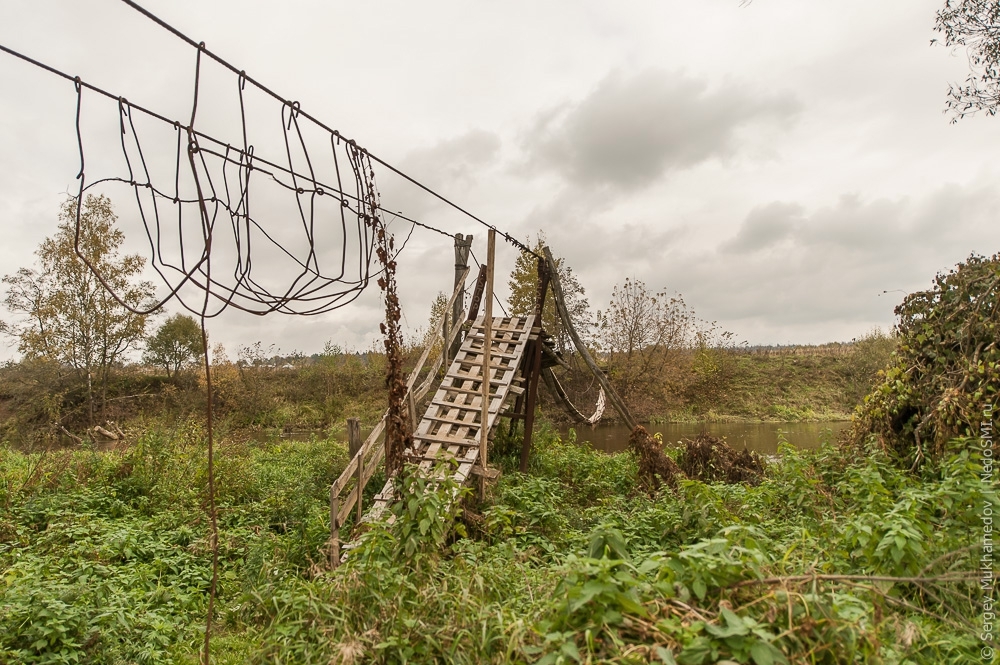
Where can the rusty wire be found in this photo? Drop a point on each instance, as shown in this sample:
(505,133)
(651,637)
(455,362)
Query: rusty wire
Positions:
(204,203)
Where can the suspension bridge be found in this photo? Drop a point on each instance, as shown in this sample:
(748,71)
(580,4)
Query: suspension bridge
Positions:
(214,251)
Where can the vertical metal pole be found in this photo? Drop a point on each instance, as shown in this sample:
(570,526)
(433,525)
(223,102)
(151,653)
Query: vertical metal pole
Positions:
(463,245)
(487,348)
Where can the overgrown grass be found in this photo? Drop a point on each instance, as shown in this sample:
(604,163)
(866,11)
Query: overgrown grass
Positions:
(105,560)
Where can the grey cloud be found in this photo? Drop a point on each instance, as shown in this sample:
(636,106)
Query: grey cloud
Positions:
(816,275)
(631,130)
(455,158)
(450,165)
(764,227)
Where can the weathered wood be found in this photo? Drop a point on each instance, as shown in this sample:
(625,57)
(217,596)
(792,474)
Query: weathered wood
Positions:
(334,531)
(535,367)
(495,329)
(477,294)
(445,439)
(529,407)
(463,245)
(451,421)
(411,409)
(484,430)
(357,468)
(105,433)
(612,394)
(491,473)
(70,434)
(353,436)
(354,445)
(444,435)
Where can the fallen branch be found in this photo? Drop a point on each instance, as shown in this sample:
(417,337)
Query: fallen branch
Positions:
(106,433)
(70,434)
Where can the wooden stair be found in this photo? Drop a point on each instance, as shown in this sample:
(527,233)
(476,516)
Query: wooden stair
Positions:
(450,429)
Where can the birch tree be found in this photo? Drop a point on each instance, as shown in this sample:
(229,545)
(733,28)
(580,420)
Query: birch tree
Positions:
(69,317)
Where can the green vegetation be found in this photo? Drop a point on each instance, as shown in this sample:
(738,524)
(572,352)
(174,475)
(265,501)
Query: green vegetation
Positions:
(945,377)
(71,321)
(796,384)
(177,344)
(861,553)
(106,560)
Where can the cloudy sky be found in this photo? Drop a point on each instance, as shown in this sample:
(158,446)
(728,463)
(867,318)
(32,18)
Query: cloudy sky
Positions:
(780,163)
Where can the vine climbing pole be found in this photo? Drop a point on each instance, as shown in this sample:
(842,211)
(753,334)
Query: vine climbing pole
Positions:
(398,422)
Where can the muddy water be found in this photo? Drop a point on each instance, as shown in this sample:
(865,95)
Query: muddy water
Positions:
(760,437)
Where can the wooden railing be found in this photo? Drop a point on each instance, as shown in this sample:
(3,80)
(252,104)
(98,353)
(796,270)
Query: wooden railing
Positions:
(365,462)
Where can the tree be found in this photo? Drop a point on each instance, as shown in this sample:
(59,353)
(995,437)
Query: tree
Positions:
(641,333)
(943,380)
(524,293)
(176,344)
(974,24)
(437,310)
(70,317)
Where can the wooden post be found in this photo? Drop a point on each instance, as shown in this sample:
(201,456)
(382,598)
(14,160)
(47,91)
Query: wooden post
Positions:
(557,293)
(536,367)
(334,530)
(353,446)
(353,436)
(411,406)
(477,294)
(463,245)
(487,349)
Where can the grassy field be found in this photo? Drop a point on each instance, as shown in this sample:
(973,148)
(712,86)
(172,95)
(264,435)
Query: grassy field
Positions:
(788,387)
(106,559)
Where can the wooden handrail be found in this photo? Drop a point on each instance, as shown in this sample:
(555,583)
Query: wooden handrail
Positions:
(367,456)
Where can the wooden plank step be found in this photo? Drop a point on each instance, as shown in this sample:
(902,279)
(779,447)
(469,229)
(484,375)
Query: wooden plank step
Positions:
(447,440)
(491,473)
(453,421)
(494,381)
(469,391)
(476,355)
(479,358)
(456,405)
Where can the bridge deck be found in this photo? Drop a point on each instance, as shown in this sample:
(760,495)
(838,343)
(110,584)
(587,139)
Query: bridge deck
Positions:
(450,430)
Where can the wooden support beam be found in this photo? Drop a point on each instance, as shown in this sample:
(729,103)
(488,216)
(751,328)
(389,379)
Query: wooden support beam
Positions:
(354,446)
(535,366)
(334,530)
(477,294)
(353,436)
(487,348)
(463,245)
(612,394)
(489,473)
(357,468)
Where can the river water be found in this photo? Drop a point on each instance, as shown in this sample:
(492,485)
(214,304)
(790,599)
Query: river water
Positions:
(760,437)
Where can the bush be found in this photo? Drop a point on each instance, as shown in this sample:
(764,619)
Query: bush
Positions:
(944,377)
